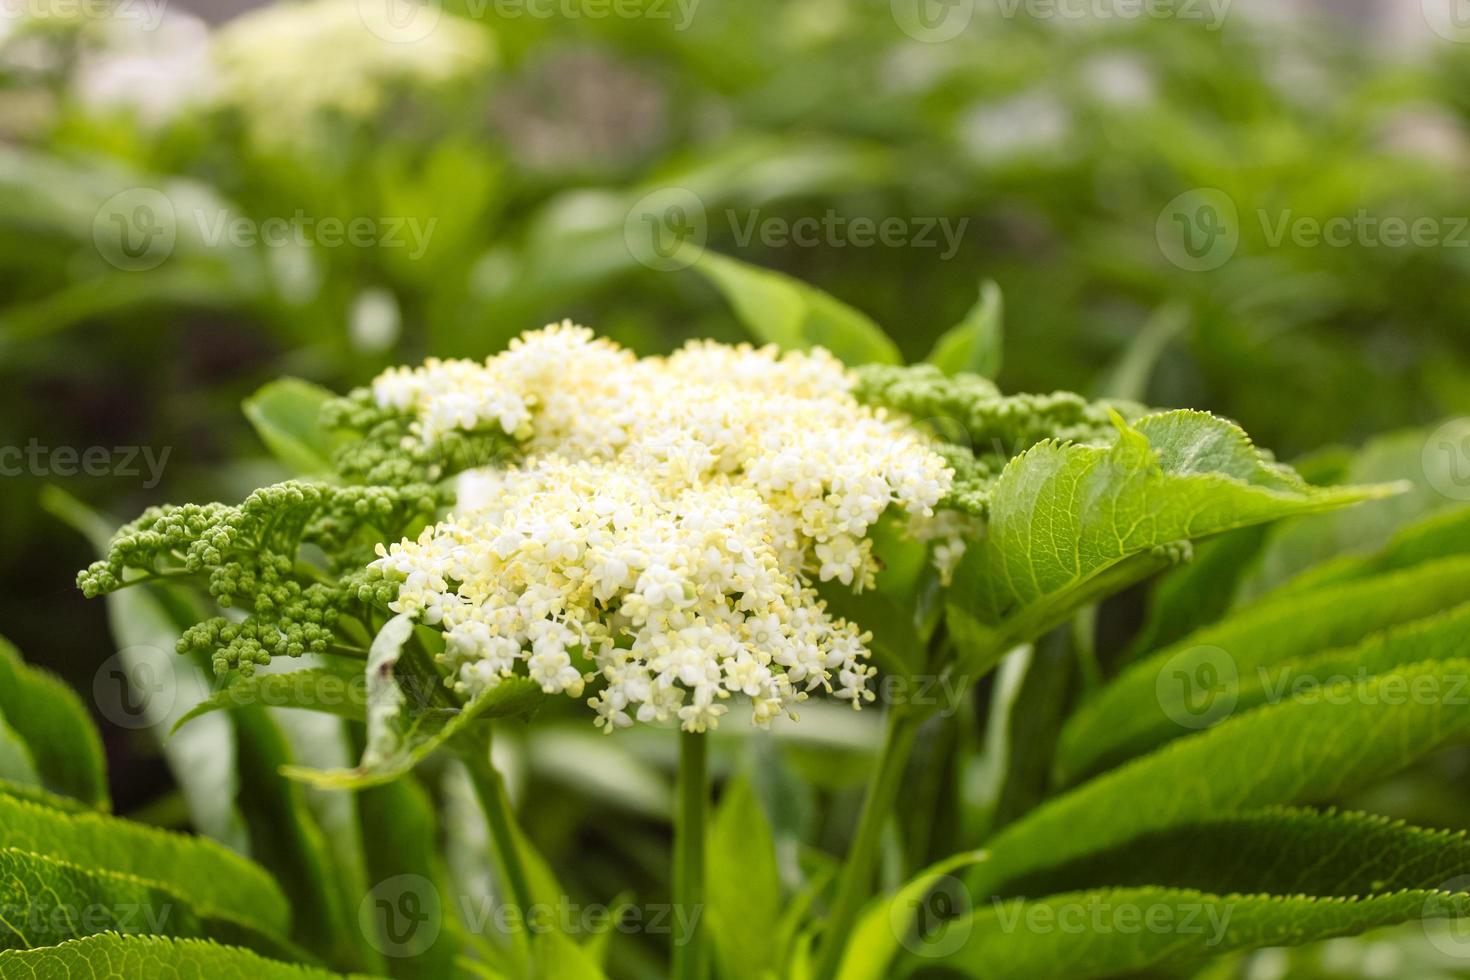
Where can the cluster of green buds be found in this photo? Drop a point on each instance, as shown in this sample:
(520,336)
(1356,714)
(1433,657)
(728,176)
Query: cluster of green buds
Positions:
(288,563)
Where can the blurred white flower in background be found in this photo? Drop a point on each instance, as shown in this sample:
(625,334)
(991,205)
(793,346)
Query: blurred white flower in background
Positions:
(285,64)
(154,72)
(1025,126)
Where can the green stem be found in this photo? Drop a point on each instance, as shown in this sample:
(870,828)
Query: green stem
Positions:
(855,883)
(689,832)
(500,820)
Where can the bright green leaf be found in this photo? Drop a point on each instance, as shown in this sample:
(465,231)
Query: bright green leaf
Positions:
(286,414)
(1227,666)
(778,309)
(743,884)
(976,343)
(1071,523)
(55,728)
(888,923)
(1109,933)
(204,873)
(1276,851)
(1307,750)
(147,956)
(49,901)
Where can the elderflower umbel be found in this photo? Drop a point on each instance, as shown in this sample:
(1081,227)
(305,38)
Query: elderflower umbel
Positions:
(666,523)
(285,63)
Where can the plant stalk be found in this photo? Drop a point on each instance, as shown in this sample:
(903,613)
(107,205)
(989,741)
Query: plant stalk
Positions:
(691,806)
(500,820)
(856,880)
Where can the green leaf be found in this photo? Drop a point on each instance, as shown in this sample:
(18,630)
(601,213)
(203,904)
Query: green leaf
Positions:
(205,874)
(1226,667)
(1308,750)
(1071,523)
(889,921)
(49,901)
(1276,851)
(778,309)
(1440,535)
(557,956)
(975,344)
(1301,544)
(285,838)
(426,731)
(55,728)
(1199,591)
(286,414)
(38,796)
(1114,932)
(398,822)
(335,689)
(16,764)
(744,885)
(112,955)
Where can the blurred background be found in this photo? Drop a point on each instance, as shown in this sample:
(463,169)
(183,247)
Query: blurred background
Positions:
(1257,208)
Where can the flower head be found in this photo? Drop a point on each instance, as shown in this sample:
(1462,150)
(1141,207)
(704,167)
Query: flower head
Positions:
(660,537)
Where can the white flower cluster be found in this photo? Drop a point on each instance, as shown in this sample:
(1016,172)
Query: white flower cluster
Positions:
(666,523)
(286,62)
